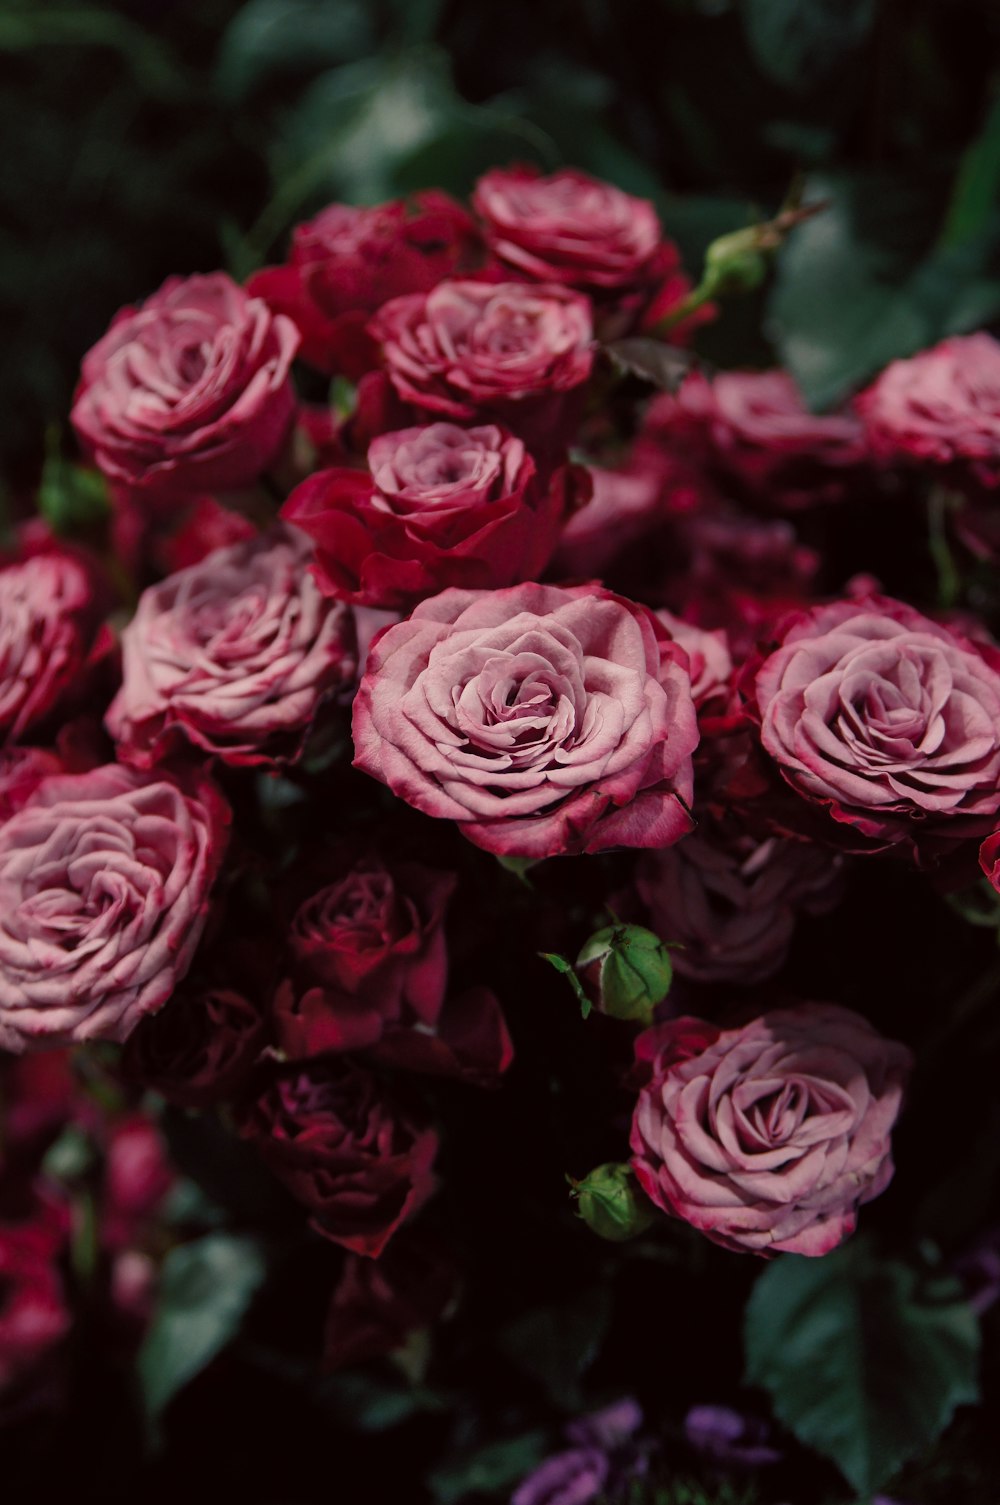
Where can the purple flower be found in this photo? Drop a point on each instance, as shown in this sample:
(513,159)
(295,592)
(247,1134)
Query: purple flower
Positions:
(728,1438)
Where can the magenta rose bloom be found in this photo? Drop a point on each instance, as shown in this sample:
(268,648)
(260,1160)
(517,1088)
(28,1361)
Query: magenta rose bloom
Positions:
(348,261)
(235,654)
(51,637)
(771,1136)
(351,1156)
(940,408)
(543,720)
(752,430)
(888,721)
(511,350)
(104,886)
(191,392)
(443,506)
(22,769)
(568,227)
(730,902)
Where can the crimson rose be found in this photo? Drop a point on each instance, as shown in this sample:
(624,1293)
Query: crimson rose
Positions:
(360,1165)
(235,654)
(189,393)
(443,506)
(771,1136)
(543,720)
(104,887)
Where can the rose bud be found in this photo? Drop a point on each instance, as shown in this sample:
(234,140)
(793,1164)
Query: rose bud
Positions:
(611,1204)
(544,720)
(348,261)
(627,970)
(236,654)
(105,880)
(191,392)
(345,1151)
(769,1137)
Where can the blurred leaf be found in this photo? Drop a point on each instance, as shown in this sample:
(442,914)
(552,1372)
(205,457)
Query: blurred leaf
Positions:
(25,25)
(977,187)
(71,498)
(489,1469)
(269,37)
(556,1345)
(865,1359)
(205,1289)
(416,20)
(370,1403)
(662,365)
(800,42)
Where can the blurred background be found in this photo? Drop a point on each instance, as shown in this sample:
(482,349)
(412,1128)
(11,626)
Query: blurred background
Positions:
(152,137)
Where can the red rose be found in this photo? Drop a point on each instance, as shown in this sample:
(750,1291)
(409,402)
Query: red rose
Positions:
(104,886)
(348,261)
(543,720)
(940,408)
(352,1157)
(443,506)
(34,1318)
(377,1304)
(235,654)
(51,637)
(771,1136)
(200,1049)
(189,393)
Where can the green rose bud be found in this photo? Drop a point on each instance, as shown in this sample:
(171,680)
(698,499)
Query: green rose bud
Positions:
(735,263)
(611,1204)
(627,970)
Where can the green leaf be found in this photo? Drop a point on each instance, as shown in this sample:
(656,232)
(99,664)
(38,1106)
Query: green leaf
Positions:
(662,365)
(564,967)
(370,1403)
(977,185)
(865,1359)
(205,1289)
(266,37)
(71,498)
(556,1345)
(800,42)
(489,1469)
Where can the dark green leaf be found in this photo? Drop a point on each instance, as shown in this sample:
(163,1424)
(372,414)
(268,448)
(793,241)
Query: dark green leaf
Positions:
(267,37)
(205,1289)
(565,967)
(489,1469)
(373,1404)
(865,1359)
(556,1345)
(661,365)
(799,42)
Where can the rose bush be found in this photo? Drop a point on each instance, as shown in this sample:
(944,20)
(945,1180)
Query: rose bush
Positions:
(235,654)
(443,506)
(769,1137)
(105,880)
(543,720)
(190,392)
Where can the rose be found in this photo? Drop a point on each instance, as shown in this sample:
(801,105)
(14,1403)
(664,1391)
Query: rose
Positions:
(751,429)
(190,392)
(624,506)
(730,902)
(351,1156)
(138,1175)
(568,227)
(235,654)
(377,1304)
(22,769)
(51,637)
(104,886)
(200,1049)
(887,720)
(940,408)
(472,349)
(34,1318)
(443,506)
(348,261)
(769,1137)
(543,720)
(710,664)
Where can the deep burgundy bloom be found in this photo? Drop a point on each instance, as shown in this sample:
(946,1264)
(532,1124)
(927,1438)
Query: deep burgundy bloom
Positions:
(201,1048)
(377,1304)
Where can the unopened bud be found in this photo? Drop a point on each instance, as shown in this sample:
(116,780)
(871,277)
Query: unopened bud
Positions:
(627,970)
(611,1204)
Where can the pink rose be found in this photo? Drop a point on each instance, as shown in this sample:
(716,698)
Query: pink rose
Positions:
(189,393)
(348,261)
(443,506)
(940,408)
(511,350)
(104,887)
(568,227)
(887,720)
(22,769)
(772,1135)
(543,720)
(730,902)
(751,429)
(236,654)
(51,638)
(623,508)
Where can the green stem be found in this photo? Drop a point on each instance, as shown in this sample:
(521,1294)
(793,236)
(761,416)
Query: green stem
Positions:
(949,580)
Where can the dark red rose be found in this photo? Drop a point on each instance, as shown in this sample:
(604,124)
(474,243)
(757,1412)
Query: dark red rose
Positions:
(361,1166)
(348,261)
(191,392)
(442,506)
(204,527)
(377,1304)
(200,1049)
(34,1318)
